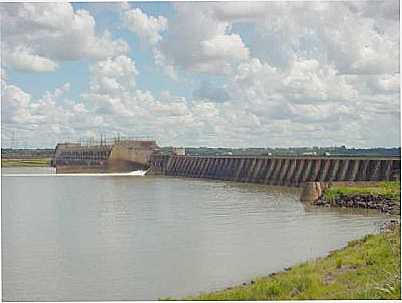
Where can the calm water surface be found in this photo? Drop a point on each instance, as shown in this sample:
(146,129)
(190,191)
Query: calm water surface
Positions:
(132,238)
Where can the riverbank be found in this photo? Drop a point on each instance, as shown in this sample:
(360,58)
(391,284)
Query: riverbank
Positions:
(35,162)
(365,269)
(383,196)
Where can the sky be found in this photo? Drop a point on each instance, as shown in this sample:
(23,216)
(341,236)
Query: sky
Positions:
(217,74)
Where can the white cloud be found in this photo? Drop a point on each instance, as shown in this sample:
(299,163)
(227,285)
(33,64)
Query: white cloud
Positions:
(198,42)
(46,120)
(113,75)
(316,74)
(356,37)
(167,67)
(101,47)
(15,105)
(22,59)
(211,92)
(40,35)
(220,52)
(148,28)
(255,113)
(339,33)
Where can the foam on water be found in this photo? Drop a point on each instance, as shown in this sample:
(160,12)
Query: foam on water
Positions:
(138,173)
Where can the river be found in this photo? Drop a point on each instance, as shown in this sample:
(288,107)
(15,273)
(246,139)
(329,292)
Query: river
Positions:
(125,237)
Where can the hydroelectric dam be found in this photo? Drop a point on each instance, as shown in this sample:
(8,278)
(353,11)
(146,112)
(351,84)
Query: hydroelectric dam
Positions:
(307,171)
(278,170)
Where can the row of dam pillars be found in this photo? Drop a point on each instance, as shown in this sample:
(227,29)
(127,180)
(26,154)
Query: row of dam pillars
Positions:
(278,171)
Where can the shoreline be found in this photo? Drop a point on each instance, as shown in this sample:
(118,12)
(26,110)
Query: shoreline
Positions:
(367,268)
(383,196)
(34,162)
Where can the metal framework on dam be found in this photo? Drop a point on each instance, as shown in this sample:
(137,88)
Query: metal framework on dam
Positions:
(275,170)
(119,156)
(70,154)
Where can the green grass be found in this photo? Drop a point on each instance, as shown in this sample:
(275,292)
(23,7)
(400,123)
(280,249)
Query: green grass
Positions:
(39,162)
(389,189)
(366,269)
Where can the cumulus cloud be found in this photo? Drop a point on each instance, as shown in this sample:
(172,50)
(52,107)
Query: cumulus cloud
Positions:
(46,120)
(146,27)
(15,103)
(341,33)
(198,42)
(318,73)
(211,92)
(149,29)
(40,35)
(113,75)
(356,37)
(22,59)
(167,67)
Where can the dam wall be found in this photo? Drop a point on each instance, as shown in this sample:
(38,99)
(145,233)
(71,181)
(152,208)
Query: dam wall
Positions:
(133,151)
(120,156)
(275,170)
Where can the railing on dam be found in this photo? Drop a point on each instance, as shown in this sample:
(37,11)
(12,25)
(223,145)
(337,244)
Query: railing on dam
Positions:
(277,170)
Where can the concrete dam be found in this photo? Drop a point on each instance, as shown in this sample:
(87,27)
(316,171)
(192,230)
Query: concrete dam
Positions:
(117,156)
(276,170)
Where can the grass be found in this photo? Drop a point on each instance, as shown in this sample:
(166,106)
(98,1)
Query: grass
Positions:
(366,269)
(38,162)
(388,189)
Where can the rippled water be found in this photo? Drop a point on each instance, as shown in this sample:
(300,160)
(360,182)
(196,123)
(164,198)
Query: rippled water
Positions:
(130,238)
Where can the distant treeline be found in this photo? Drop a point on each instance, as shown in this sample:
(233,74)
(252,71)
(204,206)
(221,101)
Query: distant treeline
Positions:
(291,151)
(11,153)
(208,151)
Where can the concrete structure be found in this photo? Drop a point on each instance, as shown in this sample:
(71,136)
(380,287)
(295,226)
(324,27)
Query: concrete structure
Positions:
(313,190)
(274,170)
(121,156)
(179,151)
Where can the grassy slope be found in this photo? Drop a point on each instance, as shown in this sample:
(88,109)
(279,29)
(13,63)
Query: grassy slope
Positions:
(390,189)
(25,162)
(365,269)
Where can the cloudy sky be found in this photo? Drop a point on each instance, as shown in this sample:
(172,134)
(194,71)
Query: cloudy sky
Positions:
(202,74)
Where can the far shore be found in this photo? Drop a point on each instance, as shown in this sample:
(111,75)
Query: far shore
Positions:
(34,162)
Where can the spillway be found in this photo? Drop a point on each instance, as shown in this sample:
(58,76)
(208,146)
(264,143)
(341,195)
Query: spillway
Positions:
(275,170)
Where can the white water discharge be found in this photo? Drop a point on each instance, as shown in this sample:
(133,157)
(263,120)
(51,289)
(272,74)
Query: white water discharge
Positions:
(138,173)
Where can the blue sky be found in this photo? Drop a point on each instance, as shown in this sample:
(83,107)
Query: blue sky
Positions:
(264,74)
(76,72)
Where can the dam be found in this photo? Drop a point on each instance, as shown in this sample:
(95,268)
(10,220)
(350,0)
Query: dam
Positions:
(118,156)
(129,155)
(277,170)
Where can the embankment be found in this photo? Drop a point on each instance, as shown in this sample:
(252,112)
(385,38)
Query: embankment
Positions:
(383,196)
(366,269)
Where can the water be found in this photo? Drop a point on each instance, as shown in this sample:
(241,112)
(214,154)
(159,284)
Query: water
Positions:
(125,237)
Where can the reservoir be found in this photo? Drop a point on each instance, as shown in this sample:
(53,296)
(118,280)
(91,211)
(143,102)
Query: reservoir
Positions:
(126,237)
